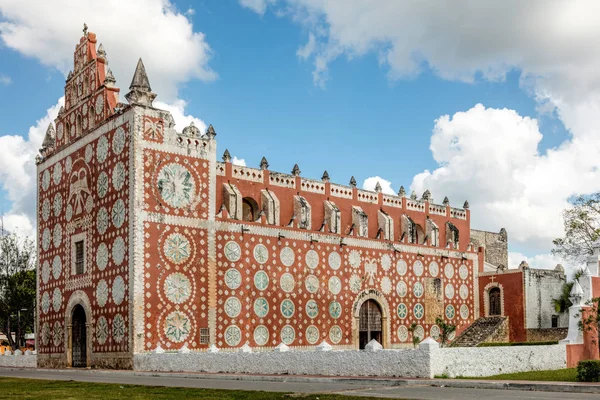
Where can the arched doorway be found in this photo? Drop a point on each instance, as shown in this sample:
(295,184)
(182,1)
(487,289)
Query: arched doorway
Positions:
(495,301)
(79,338)
(369,323)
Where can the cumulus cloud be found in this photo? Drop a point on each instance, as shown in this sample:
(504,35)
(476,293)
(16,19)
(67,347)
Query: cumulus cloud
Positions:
(238,161)
(542,261)
(370,183)
(258,6)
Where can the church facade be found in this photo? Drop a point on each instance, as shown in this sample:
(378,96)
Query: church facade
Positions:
(147,242)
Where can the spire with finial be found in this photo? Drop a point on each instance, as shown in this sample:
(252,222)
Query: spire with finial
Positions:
(49,137)
(413,195)
(101,52)
(446,202)
(85,29)
(466,205)
(140,91)
(378,187)
(352,181)
(109,80)
(226,156)
(191,130)
(296,170)
(325,177)
(210,132)
(402,192)
(264,164)
(426,195)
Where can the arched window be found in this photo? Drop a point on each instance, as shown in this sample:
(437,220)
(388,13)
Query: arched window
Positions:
(370,323)
(92,118)
(495,301)
(249,209)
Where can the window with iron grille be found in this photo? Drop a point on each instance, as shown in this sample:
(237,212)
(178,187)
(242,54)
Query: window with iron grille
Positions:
(79,253)
(204,335)
(495,301)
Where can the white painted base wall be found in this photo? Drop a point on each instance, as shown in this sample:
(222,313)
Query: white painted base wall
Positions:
(20,361)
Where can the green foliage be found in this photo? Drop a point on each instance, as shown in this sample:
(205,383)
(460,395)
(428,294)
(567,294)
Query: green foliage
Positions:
(562,303)
(506,344)
(590,322)
(445,330)
(415,339)
(588,371)
(557,375)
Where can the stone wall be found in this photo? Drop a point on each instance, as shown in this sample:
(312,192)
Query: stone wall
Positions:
(546,335)
(18,361)
(495,244)
(541,286)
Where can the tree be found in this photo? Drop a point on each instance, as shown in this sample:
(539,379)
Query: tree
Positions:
(415,338)
(17,287)
(582,229)
(591,321)
(445,330)
(562,302)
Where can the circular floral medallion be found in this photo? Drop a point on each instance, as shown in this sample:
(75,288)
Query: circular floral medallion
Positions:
(233,307)
(46,180)
(118,250)
(450,311)
(287,282)
(46,239)
(102,293)
(463,291)
(102,184)
(57,336)
(118,328)
(449,291)
(434,269)
(386,262)
(233,278)
(56,300)
(288,334)
(402,310)
(46,210)
(89,204)
(286,255)
(177,248)
(57,173)
(449,271)
(354,259)
(102,149)
(60,130)
(418,289)
(45,272)
(45,302)
(452,335)
(334,285)
(232,251)
(335,309)
(261,307)
(312,284)
(401,267)
(287,308)
(463,272)
(89,153)
(312,259)
(118,176)
(312,334)
(464,311)
(419,332)
(418,311)
(335,334)
(177,326)
(335,261)
(102,221)
(261,280)
(176,185)
(69,165)
(177,288)
(69,213)
(102,256)
(402,333)
(119,140)
(99,105)
(312,309)
(118,290)
(386,285)
(118,213)
(57,235)
(418,268)
(401,288)
(261,335)
(355,283)
(56,267)
(434,332)
(261,254)
(57,205)
(46,334)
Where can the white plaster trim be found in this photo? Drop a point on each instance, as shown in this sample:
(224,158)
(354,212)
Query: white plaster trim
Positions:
(486,297)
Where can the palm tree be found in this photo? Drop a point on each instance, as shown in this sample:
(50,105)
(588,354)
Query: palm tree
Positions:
(562,302)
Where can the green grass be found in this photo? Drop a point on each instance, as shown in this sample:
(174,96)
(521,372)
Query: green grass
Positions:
(559,375)
(31,389)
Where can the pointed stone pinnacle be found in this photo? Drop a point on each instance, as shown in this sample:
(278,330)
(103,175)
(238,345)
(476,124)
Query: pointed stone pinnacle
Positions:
(446,202)
(352,181)
(426,195)
(140,78)
(413,195)
(264,164)
(49,137)
(210,132)
(402,192)
(296,170)
(226,156)
(325,177)
(378,187)
(109,80)
(466,205)
(101,52)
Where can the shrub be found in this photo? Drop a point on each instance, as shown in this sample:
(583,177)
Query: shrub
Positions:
(517,344)
(588,371)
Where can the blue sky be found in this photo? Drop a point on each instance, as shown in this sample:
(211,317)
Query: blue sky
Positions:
(264,101)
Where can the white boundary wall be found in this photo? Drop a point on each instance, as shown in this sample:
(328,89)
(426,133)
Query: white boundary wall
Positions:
(18,361)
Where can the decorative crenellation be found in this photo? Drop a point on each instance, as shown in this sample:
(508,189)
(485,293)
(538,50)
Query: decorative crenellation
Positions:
(343,192)
(312,186)
(415,205)
(246,173)
(366,196)
(392,201)
(283,180)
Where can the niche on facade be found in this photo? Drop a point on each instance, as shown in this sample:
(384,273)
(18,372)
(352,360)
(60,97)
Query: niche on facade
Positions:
(302,212)
(232,199)
(451,235)
(434,299)
(432,232)
(333,217)
(386,225)
(250,209)
(360,220)
(270,206)
(411,231)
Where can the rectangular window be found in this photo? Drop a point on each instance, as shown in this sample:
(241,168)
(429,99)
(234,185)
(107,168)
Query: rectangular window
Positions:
(555,321)
(79,253)
(204,336)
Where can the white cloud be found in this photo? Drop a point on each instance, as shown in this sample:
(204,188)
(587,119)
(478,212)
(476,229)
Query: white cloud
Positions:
(308,49)
(258,6)
(5,80)
(386,186)
(238,161)
(177,110)
(541,261)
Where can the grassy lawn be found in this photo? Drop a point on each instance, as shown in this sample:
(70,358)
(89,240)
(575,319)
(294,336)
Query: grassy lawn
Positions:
(31,389)
(559,375)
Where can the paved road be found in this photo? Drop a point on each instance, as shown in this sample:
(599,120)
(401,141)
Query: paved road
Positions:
(421,392)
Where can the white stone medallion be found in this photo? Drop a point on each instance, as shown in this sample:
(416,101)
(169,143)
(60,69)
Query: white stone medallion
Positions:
(57,173)
(232,251)
(177,326)
(60,130)
(233,278)
(118,290)
(418,311)
(287,308)
(463,291)
(464,311)
(46,239)
(57,336)
(101,330)
(312,309)
(56,300)
(401,288)
(177,288)
(418,289)
(69,213)
(176,185)
(89,153)
(57,205)
(69,164)
(101,293)
(45,272)
(102,256)
(463,272)
(46,210)
(419,332)
(261,335)
(118,328)
(102,149)
(57,235)
(450,312)
(312,259)
(418,268)
(312,284)
(335,260)
(99,105)
(102,221)
(449,271)
(177,248)
(102,184)
(288,335)
(286,255)
(434,269)
(46,334)
(335,309)
(434,332)
(261,307)
(449,291)
(355,283)
(118,250)
(386,285)
(46,180)
(119,140)
(386,262)
(354,259)
(45,302)
(287,282)
(118,176)
(334,285)
(312,334)
(56,267)
(261,280)
(233,307)
(261,253)
(402,333)
(118,213)
(335,334)
(402,311)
